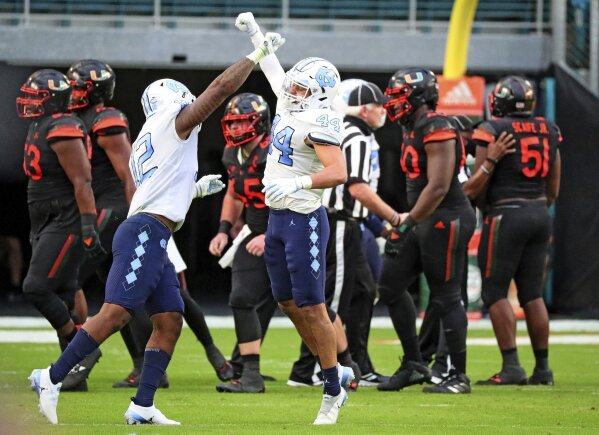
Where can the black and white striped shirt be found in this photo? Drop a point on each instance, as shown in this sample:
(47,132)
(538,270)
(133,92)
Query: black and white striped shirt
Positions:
(361,152)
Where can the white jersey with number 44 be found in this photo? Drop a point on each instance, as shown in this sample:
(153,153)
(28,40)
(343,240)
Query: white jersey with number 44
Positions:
(289,156)
(164,167)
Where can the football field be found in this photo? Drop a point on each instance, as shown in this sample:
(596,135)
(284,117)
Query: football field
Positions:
(570,407)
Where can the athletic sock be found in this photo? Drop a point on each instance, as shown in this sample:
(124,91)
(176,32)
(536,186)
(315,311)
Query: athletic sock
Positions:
(63,341)
(155,363)
(510,357)
(344,358)
(331,381)
(82,345)
(251,363)
(541,359)
(411,349)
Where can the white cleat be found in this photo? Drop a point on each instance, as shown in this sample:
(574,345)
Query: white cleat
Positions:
(47,393)
(346,375)
(146,415)
(329,409)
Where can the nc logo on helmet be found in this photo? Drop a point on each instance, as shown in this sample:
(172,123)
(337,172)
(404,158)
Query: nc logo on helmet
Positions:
(326,78)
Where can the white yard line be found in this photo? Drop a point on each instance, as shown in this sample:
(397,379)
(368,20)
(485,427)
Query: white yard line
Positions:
(283,322)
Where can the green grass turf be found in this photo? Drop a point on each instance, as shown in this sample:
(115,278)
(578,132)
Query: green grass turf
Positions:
(570,407)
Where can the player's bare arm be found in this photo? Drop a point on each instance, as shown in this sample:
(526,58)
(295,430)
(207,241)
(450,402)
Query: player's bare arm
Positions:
(440,167)
(335,170)
(223,86)
(553,179)
(118,150)
(230,212)
(73,159)
(476,186)
(373,202)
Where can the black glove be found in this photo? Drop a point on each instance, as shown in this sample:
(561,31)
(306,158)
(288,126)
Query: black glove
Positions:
(90,236)
(398,236)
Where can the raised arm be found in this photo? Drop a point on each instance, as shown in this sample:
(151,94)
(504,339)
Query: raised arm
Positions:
(224,86)
(270,65)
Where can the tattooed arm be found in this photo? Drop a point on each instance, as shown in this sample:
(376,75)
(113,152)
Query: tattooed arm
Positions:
(214,95)
(223,86)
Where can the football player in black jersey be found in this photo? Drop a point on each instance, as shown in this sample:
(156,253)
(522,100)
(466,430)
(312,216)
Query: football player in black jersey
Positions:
(246,128)
(93,83)
(62,208)
(515,190)
(431,238)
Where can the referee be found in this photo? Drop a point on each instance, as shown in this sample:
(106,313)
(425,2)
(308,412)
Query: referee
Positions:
(351,286)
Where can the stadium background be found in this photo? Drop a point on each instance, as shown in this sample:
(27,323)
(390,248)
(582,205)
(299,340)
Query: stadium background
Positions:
(555,43)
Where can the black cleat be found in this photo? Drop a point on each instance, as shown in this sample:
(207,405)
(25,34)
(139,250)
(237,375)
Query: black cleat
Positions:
(297,381)
(247,383)
(225,372)
(409,373)
(454,383)
(372,379)
(509,375)
(132,381)
(541,377)
(76,379)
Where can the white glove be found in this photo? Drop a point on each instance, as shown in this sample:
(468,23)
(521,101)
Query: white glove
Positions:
(247,23)
(279,188)
(208,185)
(272,42)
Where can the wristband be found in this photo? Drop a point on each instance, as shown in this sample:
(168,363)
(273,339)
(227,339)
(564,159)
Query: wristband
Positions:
(258,54)
(305,181)
(485,170)
(491,161)
(224,227)
(393,218)
(406,225)
(88,219)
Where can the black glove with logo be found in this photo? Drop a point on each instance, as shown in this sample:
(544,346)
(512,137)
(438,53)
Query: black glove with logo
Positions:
(90,236)
(398,237)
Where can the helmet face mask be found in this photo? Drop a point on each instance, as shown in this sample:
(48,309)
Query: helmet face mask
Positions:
(45,92)
(92,81)
(513,95)
(312,83)
(246,117)
(163,93)
(409,89)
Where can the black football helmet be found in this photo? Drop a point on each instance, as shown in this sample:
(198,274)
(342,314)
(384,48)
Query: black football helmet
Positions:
(92,81)
(408,89)
(512,96)
(248,107)
(45,92)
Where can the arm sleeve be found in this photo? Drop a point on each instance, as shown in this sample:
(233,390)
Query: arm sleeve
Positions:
(109,122)
(64,128)
(484,135)
(274,72)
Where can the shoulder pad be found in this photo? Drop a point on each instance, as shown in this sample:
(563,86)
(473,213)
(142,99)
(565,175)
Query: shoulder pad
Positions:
(66,126)
(229,157)
(485,132)
(322,125)
(109,118)
(436,128)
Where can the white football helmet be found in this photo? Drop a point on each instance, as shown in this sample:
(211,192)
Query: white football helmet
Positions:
(312,83)
(163,93)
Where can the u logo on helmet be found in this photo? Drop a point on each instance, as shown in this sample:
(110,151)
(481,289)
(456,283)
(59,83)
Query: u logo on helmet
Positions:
(103,75)
(61,85)
(411,79)
(326,78)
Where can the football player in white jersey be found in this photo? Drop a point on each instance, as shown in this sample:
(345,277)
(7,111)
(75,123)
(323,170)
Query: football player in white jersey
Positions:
(304,158)
(164,167)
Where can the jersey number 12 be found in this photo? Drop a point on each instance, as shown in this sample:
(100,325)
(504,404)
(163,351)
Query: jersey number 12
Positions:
(142,151)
